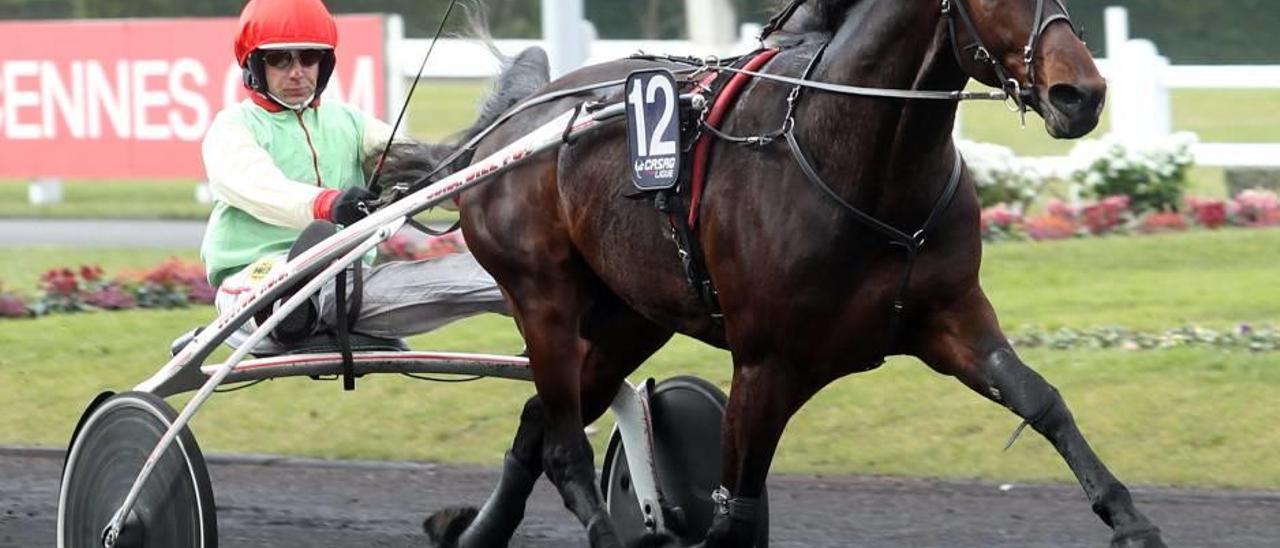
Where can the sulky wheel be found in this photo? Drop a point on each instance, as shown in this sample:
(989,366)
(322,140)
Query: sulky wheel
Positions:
(175,508)
(686,412)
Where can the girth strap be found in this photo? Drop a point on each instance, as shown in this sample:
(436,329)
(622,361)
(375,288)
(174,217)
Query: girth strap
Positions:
(690,253)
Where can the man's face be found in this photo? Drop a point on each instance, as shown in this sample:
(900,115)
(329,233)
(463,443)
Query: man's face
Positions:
(292,74)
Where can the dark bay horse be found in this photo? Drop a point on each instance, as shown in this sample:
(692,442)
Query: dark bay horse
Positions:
(807,289)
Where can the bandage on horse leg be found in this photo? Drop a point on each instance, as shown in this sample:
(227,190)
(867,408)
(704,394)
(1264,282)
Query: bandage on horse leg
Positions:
(1027,394)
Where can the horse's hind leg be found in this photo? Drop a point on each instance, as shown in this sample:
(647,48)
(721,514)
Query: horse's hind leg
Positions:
(495,522)
(618,341)
(966,342)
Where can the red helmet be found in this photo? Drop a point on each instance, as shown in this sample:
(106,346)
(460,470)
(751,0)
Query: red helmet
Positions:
(284,24)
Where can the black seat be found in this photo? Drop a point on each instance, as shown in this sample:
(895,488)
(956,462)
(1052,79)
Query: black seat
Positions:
(320,343)
(324,343)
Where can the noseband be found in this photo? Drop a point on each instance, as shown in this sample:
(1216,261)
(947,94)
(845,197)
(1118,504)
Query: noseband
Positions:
(1021,94)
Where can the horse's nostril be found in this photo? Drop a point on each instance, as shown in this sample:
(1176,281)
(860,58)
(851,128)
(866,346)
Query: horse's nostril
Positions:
(1067,98)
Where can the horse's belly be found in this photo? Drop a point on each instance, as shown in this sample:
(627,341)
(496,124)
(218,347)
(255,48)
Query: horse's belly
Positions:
(626,241)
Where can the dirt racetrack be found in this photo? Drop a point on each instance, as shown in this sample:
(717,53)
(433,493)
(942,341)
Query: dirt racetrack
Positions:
(290,503)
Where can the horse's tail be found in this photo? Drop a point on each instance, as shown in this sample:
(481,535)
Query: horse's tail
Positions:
(520,77)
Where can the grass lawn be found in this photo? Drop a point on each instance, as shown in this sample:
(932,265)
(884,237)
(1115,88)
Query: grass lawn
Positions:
(108,200)
(1180,417)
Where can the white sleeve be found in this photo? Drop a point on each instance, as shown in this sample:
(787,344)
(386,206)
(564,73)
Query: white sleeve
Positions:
(242,174)
(376,134)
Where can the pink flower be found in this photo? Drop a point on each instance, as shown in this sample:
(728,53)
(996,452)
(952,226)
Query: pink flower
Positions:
(1106,215)
(1162,222)
(1258,207)
(1051,227)
(111,297)
(1057,208)
(12,306)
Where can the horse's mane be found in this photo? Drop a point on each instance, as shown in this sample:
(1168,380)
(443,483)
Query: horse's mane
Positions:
(820,16)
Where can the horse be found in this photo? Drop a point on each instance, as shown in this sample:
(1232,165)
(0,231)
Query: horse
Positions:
(807,240)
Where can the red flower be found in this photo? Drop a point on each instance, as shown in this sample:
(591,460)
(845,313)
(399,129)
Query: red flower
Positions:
(1208,213)
(91,273)
(59,281)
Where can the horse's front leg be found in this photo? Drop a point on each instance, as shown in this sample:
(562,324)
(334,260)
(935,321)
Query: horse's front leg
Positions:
(966,342)
(762,399)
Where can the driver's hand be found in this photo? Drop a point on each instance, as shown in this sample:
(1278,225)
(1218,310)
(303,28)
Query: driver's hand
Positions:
(352,205)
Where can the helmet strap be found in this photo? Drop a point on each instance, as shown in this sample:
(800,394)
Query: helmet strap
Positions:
(296,108)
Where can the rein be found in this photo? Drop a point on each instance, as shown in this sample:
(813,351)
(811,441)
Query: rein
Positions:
(1014,91)
(374,185)
(402,189)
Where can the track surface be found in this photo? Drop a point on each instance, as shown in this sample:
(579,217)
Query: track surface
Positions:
(287,503)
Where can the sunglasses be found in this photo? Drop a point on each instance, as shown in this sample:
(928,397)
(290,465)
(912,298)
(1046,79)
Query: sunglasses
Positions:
(283,59)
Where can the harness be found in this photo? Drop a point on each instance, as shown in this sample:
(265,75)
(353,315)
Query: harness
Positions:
(683,223)
(707,129)
(722,88)
(911,244)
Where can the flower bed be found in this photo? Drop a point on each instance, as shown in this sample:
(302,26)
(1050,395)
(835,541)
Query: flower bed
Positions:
(1243,337)
(1115,215)
(1151,174)
(170,284)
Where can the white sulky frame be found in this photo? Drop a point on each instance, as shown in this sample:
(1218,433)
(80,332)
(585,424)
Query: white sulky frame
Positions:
(185,371)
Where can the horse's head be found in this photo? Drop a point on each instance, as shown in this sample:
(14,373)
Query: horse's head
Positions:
(1031,49)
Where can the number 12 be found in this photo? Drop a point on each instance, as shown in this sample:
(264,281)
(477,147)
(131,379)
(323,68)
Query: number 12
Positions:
(654,145)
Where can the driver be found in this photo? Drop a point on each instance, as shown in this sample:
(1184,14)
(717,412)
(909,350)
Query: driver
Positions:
(281,159)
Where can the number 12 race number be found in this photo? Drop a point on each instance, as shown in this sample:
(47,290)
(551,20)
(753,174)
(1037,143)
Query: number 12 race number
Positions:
(653,123)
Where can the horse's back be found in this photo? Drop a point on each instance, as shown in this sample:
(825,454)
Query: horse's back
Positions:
(574,205)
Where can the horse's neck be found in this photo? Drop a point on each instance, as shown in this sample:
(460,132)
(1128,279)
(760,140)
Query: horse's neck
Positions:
(895,44)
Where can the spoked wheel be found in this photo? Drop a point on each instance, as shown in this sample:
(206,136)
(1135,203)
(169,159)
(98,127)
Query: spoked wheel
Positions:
(687,413)
(175,508)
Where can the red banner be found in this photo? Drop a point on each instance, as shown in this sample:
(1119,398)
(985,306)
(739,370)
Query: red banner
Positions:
(120,99)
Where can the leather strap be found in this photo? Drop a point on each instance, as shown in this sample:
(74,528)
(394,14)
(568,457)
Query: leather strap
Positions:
(342,332)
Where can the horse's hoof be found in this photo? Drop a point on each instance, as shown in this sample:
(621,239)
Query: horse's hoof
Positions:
(444,527)
(653,540)
(1149,538)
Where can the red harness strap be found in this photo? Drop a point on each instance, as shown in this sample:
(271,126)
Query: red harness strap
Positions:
(719,109)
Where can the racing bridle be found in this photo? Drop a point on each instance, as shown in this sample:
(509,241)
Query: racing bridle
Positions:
(1022,94)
